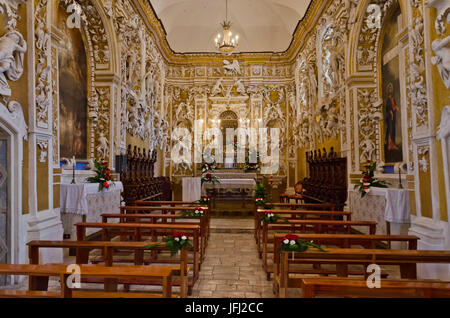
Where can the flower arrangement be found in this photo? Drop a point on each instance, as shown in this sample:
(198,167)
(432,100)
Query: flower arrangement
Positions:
(103,175)
(206,199)
(270,217)
(260,201)
(197,213)
(292,243)
(176,242)
(368,180)
(209,178)
(248,166)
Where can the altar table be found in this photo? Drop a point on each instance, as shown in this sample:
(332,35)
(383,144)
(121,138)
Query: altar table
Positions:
(83,202)
(389,207)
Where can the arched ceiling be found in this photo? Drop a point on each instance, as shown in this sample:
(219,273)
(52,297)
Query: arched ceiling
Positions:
(262,25)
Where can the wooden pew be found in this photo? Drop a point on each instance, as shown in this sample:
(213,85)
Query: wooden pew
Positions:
(353,287)
(291,206)
(163,218)
(407,260)
(157,230)
(318,226)
(43,272)
(296,214)
(166,210)
(341,240)
(108,248)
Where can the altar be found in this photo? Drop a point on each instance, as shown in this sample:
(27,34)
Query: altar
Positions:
(233,185)
(84,203)
(389,207)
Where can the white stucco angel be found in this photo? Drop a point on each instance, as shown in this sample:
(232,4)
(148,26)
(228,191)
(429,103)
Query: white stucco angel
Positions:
(102,148)
(12,51)
(240,88)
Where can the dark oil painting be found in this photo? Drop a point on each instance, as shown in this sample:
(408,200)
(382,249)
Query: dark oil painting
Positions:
(391,93)
(72,92)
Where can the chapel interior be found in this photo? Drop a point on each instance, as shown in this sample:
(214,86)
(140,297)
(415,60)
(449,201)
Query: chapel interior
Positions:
(224,148)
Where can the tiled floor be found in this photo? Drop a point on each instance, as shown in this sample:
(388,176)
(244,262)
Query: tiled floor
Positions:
(232,269)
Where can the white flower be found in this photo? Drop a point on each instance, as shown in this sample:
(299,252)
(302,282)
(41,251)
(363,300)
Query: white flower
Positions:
(366,184)
(292,242)
(184,238)
(177,239)
(286,241)
(361,180)
(367,190)
(270,215)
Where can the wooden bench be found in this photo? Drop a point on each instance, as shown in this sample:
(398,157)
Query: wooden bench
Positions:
(291,206)
(163,218)
(317,226)
(173,210)
(341,240)
(156,230)
(43,272)
(406,259)
(297,214)
(108,249)
(353,287)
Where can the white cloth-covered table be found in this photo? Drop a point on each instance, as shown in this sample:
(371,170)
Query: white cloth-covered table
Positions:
(191,189)
(84,199)
(381,205)
(229,184)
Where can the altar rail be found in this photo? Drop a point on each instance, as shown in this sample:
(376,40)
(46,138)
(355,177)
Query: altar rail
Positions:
(327,180)
(138,178)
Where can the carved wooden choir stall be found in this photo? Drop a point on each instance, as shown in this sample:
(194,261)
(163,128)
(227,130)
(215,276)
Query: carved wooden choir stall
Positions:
(138,178)
(327,180)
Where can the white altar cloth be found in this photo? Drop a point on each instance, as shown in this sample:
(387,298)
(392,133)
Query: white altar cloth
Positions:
(228,184)
(73,197)
(381,205)
(191,189)
(84,200)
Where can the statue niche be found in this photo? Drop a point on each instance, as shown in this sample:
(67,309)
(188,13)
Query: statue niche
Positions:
(72,91)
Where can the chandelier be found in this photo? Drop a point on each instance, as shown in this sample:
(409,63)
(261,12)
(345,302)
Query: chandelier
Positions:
(225,42)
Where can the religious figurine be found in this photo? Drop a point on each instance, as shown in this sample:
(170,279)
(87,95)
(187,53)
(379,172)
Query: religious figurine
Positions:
(12,50)
(218,87)
(102,148)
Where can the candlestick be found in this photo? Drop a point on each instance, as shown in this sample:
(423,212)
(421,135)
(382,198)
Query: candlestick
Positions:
(73,170)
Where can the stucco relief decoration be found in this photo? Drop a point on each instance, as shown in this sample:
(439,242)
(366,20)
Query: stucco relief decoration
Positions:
(43,69)
(422,152)
(12,53)
(441,46)
(369,117)
(43,146)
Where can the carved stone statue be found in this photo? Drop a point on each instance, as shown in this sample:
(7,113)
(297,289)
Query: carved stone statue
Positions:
(12,50)
(368,150)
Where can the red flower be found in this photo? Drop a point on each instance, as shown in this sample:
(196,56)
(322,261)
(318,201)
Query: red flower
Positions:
(208,176)
(179,234)
(106,184)
(291,237)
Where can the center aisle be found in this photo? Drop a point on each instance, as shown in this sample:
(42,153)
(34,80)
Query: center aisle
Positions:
(232,268)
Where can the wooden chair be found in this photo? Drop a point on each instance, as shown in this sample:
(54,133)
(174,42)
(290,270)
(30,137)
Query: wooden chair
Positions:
(298,188)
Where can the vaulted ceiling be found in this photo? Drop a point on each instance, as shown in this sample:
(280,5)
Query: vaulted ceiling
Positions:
(262,25)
